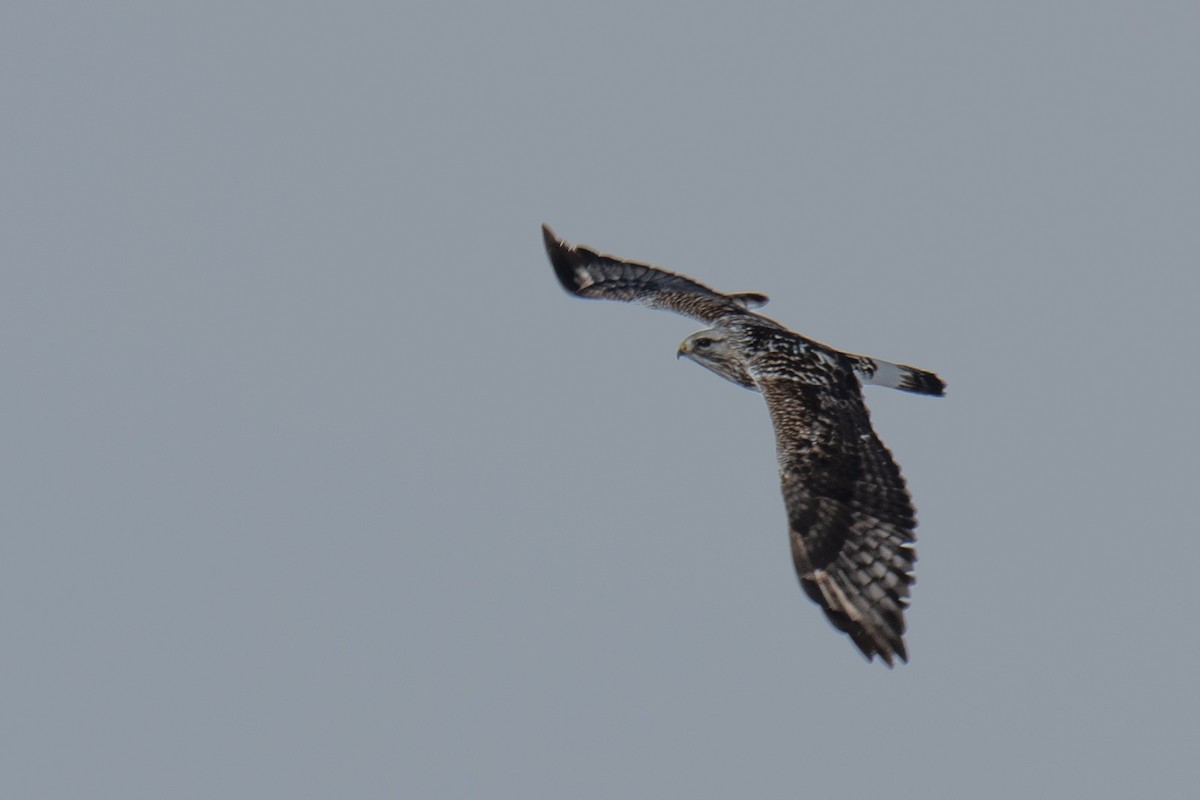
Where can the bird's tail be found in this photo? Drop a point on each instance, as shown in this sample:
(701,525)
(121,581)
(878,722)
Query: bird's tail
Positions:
(878,372)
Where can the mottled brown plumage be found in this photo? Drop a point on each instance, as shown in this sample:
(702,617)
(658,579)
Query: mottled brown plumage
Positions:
(850,520)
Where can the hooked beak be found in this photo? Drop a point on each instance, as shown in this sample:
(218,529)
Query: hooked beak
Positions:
(685,349)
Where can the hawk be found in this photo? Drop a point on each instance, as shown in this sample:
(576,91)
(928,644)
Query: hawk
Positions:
(850,519)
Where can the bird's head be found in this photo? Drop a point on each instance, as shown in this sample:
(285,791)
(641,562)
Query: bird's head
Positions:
(715,350)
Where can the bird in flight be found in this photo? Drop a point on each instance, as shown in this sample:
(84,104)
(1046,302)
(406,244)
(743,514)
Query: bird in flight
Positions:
(850,518)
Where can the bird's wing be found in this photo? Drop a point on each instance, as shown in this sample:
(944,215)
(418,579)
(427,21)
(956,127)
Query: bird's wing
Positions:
(850,518)
(585,273)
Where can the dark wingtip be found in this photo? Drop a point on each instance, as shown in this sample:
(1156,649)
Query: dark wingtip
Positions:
(564,259)
(888,651)
(887,644)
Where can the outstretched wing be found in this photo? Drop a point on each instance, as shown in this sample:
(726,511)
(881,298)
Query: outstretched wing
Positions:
(585,273)
(850,519)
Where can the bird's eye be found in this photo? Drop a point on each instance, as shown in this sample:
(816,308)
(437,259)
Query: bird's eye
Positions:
(703,344)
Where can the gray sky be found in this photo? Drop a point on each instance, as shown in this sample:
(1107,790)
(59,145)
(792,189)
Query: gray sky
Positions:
(316,484)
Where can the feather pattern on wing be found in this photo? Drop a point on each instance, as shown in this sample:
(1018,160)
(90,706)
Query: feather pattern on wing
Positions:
(586,273)
(850,520)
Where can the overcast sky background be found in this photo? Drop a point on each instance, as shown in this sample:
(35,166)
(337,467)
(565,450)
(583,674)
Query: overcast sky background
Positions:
(316,484)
